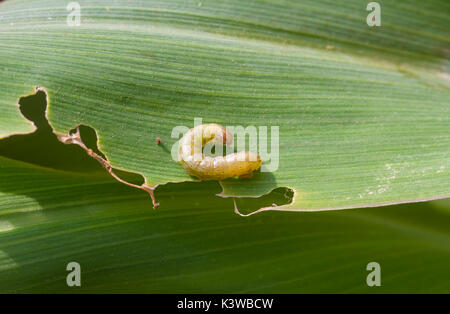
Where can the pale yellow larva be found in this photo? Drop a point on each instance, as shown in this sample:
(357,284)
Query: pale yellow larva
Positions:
(241,164)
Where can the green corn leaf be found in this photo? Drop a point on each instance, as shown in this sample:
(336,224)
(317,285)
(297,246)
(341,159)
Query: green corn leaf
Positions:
(195,243)
(363,112)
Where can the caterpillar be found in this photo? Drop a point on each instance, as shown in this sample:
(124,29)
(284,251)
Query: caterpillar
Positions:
(190,154)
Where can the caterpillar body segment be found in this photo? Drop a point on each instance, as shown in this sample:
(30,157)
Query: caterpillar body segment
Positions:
(241,164)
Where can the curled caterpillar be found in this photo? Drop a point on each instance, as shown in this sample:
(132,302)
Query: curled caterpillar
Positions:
(190,154)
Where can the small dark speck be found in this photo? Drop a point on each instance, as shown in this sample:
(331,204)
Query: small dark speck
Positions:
(158,140)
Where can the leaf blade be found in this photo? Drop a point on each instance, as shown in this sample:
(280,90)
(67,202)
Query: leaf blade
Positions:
(353,131)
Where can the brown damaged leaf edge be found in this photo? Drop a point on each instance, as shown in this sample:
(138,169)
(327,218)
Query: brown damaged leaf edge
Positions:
(263,209)
(3,136)
(75,138)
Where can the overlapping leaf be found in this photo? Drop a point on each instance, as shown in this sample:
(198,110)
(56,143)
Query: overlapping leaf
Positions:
(49,218)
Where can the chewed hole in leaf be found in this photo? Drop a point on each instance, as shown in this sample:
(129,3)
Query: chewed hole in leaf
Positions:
(89,138)
(42,146)
(277,197)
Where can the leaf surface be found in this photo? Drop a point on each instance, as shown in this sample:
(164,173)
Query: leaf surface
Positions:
(194,242)
(363,123)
